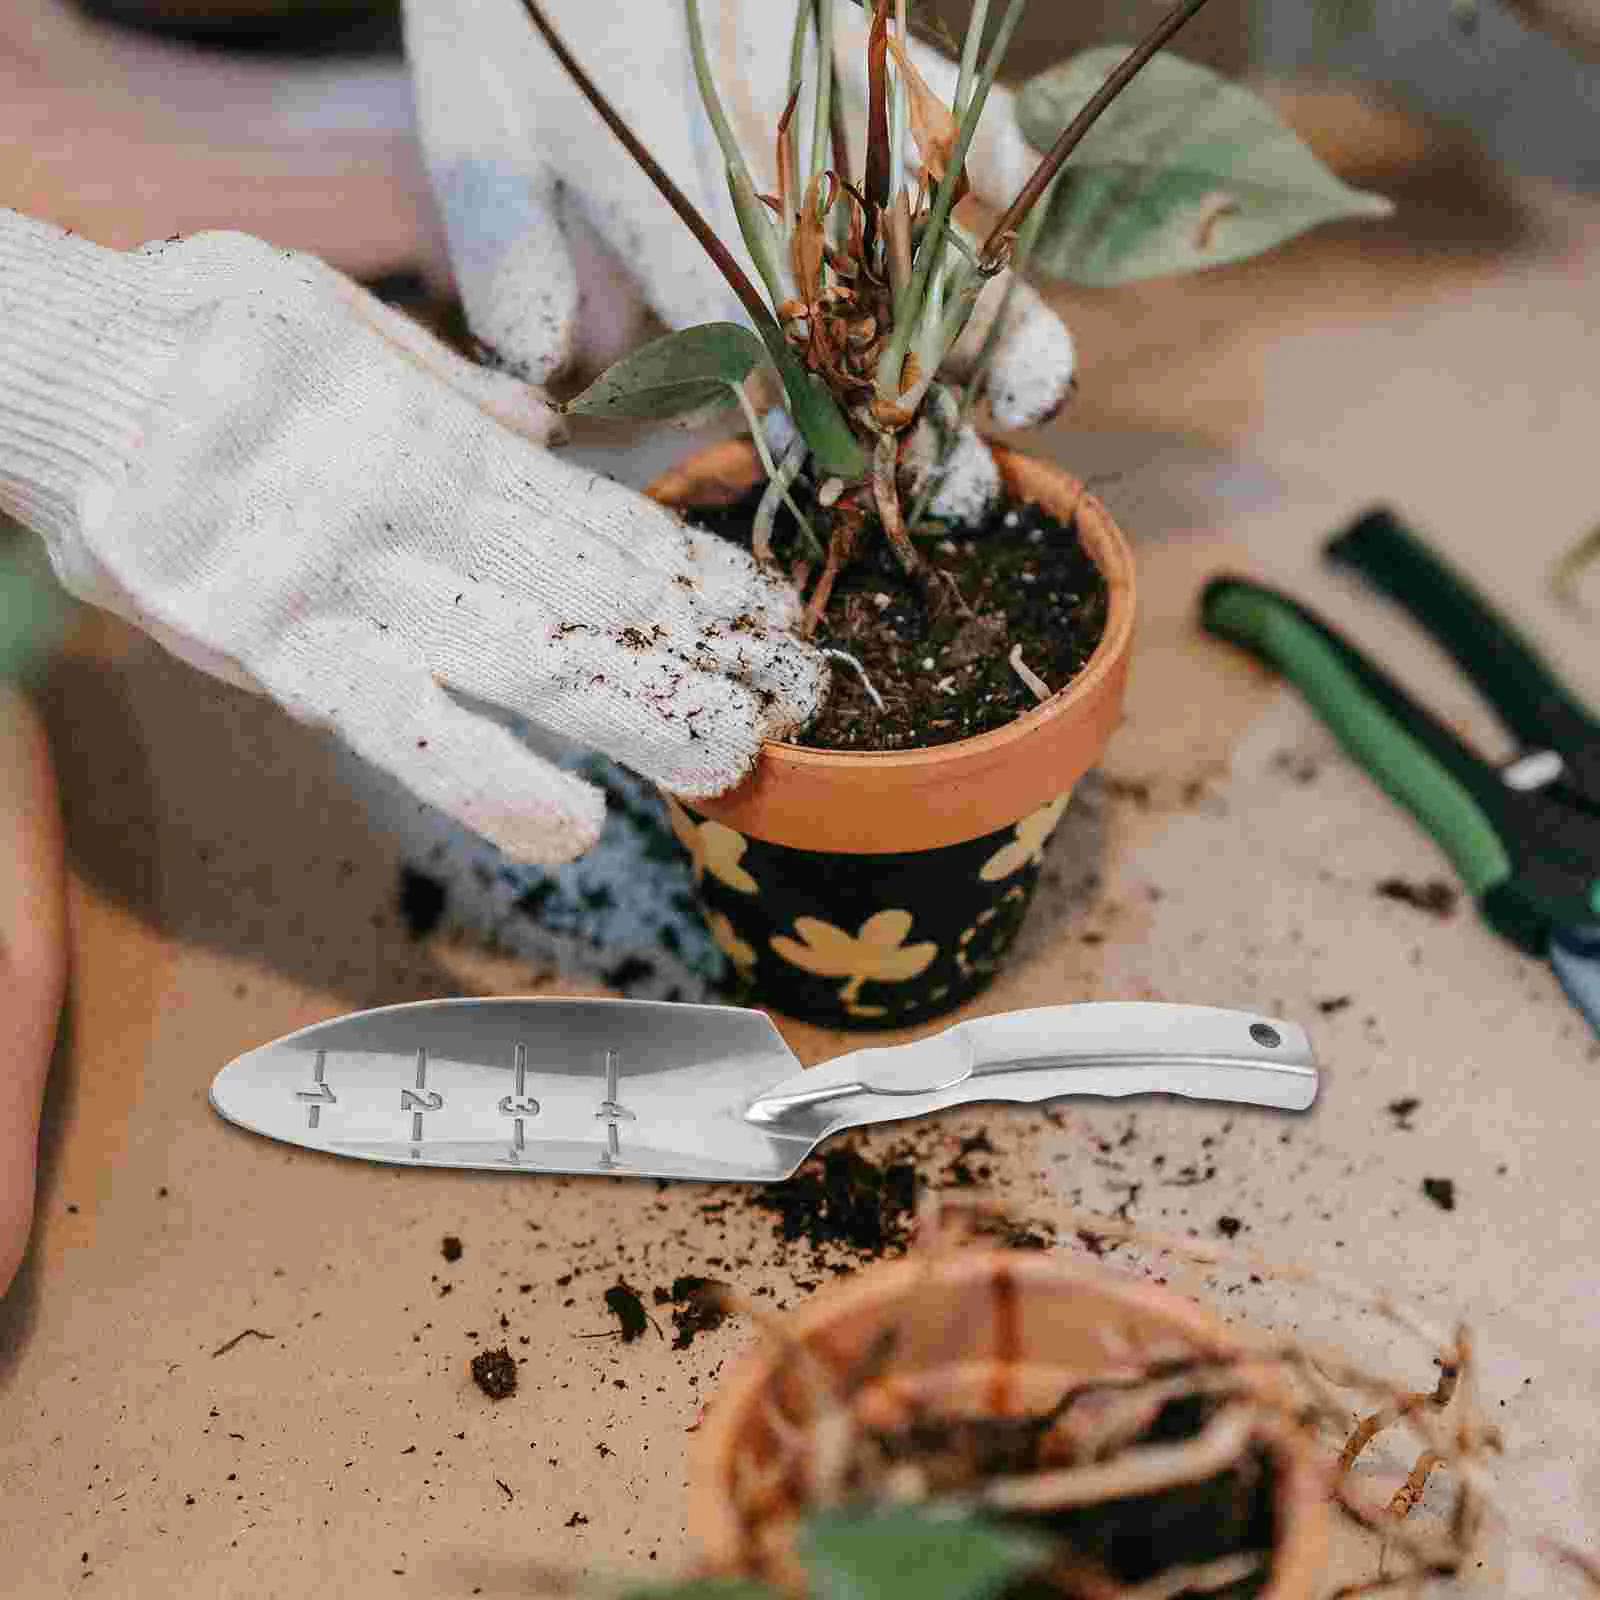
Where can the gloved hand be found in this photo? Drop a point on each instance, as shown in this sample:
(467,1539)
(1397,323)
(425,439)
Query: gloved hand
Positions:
(561,245)
(297,489)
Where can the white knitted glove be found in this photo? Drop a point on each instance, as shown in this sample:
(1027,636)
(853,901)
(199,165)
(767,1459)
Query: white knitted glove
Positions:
(295,488)
(560,243)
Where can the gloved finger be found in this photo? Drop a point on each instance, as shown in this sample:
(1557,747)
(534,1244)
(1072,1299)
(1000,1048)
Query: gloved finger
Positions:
(470,66)
(519,405)
(686,700)
(527,174)
(378,695)
(1030,372)
(632,661)
(33,960)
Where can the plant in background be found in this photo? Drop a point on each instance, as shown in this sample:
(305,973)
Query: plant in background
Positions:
(869,282)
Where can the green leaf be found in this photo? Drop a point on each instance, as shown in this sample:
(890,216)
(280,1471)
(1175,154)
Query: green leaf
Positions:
(31,607)
(1183,171)
(836,450)
(914,1554)
(704,1589)
(679,373)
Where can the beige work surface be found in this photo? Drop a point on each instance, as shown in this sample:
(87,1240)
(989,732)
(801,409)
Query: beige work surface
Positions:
(225,891)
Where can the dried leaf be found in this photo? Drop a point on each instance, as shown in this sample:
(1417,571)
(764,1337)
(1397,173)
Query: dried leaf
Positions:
(809,244)
(786,189)
(875,177)
(933,126)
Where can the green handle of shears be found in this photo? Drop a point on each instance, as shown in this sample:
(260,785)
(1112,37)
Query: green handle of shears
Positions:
(1453,794)
(1507,670)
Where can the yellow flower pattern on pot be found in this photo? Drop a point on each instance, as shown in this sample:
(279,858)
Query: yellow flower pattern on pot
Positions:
(713,847)
(877,953)
(1027,848)
(741,953)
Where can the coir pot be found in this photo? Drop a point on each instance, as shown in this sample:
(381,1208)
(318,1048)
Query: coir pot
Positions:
(865,890)
(984,1332)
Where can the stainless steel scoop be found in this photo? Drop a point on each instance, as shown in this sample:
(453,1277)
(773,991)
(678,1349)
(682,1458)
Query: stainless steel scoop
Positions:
(641,1088)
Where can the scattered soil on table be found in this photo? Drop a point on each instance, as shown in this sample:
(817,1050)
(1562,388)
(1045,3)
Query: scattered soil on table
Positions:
(844,1198)
(1436,897)
(1401,1111)
(624,1303)
(495,1372)
(451,1248)
(1020,580)
(1442,1191)
(696,1307)
(1332,1007)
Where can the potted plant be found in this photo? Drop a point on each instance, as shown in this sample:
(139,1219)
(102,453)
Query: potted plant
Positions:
(979,602)
(1008,1421)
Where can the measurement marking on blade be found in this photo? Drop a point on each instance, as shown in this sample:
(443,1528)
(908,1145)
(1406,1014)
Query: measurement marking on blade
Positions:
(611,1156)
(611,1108)
(420,1099)
(320,1094)
(521,1104)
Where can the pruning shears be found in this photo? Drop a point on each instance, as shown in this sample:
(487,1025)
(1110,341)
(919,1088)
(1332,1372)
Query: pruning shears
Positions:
(1524,837)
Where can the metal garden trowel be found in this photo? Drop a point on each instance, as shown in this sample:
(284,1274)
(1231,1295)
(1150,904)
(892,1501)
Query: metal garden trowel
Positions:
(643,1088)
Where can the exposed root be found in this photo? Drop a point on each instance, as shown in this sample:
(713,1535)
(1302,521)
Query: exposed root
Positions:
(1037,686)
(841,546)
(860,671)
(1214,1449)
(1206,1578)
(886,493)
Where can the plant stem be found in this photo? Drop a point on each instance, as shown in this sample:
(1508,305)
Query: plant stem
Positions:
(778,478)
(894,356)
(732,272)
(726,138)
(822,115)
(992,253)
(1027,237)
(969,54)
(797,61)
(900,108)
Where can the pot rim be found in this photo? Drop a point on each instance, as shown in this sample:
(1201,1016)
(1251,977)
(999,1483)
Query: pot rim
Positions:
(779,800)
(1297,1560)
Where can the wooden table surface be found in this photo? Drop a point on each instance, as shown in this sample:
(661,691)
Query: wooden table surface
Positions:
(225,888)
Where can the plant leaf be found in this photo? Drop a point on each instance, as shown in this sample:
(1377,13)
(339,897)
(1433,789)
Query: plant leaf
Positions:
(704,1589)
(678,373)
(1184,171)
(913,1554)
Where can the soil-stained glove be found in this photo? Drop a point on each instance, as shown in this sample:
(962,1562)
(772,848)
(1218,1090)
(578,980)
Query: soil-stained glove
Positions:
(560,243)
(299,490)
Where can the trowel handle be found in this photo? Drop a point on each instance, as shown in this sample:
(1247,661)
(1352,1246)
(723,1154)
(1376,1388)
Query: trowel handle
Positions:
(1144,1047)
(1102,1048)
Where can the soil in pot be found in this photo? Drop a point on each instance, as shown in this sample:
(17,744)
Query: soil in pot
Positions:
(1019,581)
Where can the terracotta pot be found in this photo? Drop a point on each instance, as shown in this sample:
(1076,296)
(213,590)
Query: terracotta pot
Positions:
(878,890)
(993,1333)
